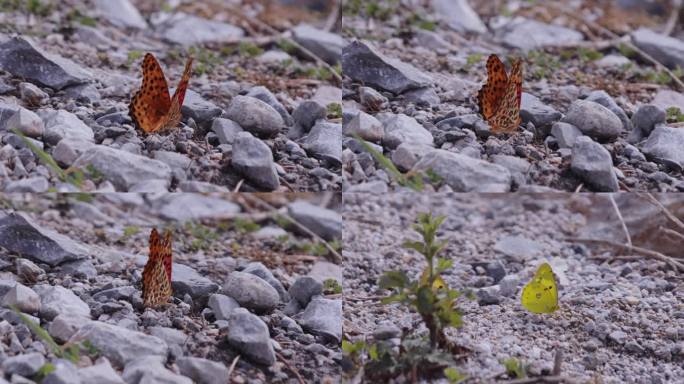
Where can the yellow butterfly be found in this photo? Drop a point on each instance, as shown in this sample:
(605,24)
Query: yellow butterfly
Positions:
(540,295)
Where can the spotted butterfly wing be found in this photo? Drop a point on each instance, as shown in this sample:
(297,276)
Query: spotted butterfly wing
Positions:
(540,295)
(157,272)
(499,99)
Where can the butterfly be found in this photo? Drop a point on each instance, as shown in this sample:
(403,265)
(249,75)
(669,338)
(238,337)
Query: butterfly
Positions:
(540,295)
(156,276)
(499,98)
(151,108)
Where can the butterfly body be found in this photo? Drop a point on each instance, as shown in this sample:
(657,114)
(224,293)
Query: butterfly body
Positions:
(157,272)
(540,295)
(152,109)
(499,98)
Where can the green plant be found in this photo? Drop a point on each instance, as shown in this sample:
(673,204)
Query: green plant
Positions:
(412,181)
(332,286)
(430,297)
(515,368)
(68,351)
(542,63)
(37,7)
(245,226)
(133,56)
(674,115)
(72,176)
(334,110)
(248,49)
(202,236)
(130,231)
(472,59)
(626,50)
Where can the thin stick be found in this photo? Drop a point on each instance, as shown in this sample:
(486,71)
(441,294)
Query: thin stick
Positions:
(557,361)
(672,233)
(305,51)
(622,221)
(239,184)
(332,18)
(626,42)
(336,256)
(643,251)
(293,370)
(664,210)
(674,17)
(232,366)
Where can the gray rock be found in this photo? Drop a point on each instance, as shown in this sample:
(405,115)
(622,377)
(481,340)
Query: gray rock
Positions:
(323,317)
(28,270)
(65,325)
(264,94)
(24,365)
(508,285)
(372,99)
(603,98)
(594,120)
(664,146)
(196,186)
(363,64)
(83,93)
(119,344)
(176,161)
(518,167)
(202,371)
(56,300)
(327,94)
(422,97)
(459,16)
(258,269)
(407,155)
(328,46)
(21,58)
(123,169)
(464,173)
(269,232)
(65,372)
(19,234)
(290,325)
(251,292)
(488,296)
(667,50)
(304,288)
(150,186)
(365,126)
(189,30)
(386,331)
(376,187)
(324,222)
(565,134)
(612,61)
(324,270)
(101,373)
(255,116)
(249,335)
(593,164)
(121,13)
(31,185)
(400,128)
(26,122)
(274,56)
(60,124)
(222,305)
(324,142)
(6,112)
(518,247)
(254,160)
(664,99)
(540,114)
(23,298)
(199,109)
(169,335)
(527,34)
(305,116)
(69,149)
(151,370)
(186,281)
(192,207)
(644,120)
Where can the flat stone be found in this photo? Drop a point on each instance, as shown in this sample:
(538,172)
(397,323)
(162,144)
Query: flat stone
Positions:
(594,165)
(60,124)
(25,365)
(222,305)
(365,126)
(69,149)
(249,335)
(324,222)
(325,142)
(198,108)
(664,146)
(323,317)
(123,169)
(151,370)
(328,46)
(251,292)
(666,49)
(21,58)
(459,16)
(255,116)
(31,185)
(527,34)
(56,300)
(26,122)
(565,134)
(464,173)
(185,280)
(364,64)
(518,247)
(258,269)
(121,13)
(101,373)
(400,128)
(184,207)
(594,120)
(189,30)
(254,160)
(19,234)
(540,114)
(202,371)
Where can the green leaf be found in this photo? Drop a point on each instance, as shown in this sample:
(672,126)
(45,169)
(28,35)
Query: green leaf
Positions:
(393,279)
(373,352)
(443,264)
(425,300)
(393,299)
(454,376)
(417,246)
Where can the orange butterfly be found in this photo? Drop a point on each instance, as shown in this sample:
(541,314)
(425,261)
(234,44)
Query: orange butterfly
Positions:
(151,108)
(499,98)
(156,284)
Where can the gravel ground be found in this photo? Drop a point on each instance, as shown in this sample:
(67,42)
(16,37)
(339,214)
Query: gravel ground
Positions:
(245,284)
(618,321)
(259,115)
(594,112)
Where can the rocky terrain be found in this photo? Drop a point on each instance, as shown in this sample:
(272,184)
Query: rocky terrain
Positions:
(620,320)
(261,112)
(253,300)
(596,111)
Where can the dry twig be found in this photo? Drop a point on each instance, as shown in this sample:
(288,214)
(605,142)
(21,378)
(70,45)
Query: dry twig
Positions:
(664,210)
(232,367)
(674,17)
(643,251)
(622,221)
(291,368)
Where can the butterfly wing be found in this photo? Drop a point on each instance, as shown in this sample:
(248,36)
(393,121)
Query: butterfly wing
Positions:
(151,103)
(540,295)
(156,275)
(490,94)
(167,255)
(507,115)
(174,115)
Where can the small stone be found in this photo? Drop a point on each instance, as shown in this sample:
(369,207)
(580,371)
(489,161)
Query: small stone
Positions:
(594,120)
(323,317)
(594,165)
(254,160)
(202,371)
(32,95)
(222,305)
(26,122)
(365,126)
(251,292)
(23,298)
(25,365)
(255,116)
(249,335)
(304,288)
